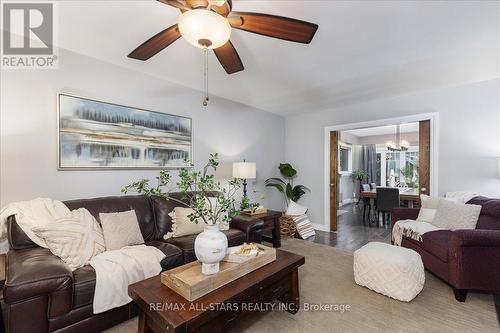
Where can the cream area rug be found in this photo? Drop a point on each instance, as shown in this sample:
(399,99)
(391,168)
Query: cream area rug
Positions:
(327,279)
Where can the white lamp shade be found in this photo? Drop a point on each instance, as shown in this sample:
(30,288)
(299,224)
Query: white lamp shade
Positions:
(244,170)
(199,25)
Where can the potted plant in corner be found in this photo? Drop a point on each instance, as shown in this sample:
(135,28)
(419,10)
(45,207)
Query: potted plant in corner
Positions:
(359,176)
(211,203)
(285,186)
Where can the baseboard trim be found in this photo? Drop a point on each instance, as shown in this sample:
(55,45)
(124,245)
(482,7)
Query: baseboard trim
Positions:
(319,227)
(347,201)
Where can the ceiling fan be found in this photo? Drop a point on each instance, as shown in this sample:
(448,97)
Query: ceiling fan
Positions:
(207,24)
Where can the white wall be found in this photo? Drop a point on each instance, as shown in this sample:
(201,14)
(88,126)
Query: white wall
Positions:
(28,128)
(469,138)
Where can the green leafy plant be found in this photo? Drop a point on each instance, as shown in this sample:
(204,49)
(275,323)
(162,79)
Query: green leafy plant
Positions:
(196,188)
(360,175)
(246,203)
(410,174)
(285,186)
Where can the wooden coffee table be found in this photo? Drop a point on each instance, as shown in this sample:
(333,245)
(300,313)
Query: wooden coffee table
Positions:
(162,310)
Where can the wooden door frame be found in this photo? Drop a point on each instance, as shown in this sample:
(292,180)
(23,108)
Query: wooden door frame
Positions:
(434,120)
(334,175)
(424,149)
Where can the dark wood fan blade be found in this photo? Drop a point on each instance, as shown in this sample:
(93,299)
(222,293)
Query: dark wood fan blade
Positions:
(229,58)
(156,43)
(274,26)
(181,4)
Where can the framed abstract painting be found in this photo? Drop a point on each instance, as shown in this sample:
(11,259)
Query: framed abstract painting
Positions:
(99,135)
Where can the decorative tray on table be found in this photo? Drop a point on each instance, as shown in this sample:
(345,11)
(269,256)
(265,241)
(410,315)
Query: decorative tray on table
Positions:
(258,211)
(190,283)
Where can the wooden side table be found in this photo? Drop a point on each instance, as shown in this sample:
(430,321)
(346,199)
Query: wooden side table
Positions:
(271,223)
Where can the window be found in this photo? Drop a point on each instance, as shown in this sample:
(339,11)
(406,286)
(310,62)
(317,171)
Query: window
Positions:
(409,172)
(392,168)
(345,159)
(403,165)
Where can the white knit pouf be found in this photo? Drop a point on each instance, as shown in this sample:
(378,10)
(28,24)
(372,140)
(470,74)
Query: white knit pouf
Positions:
(390,270)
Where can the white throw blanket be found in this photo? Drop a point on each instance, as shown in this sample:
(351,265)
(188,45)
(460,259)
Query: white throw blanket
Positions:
(414,229)
(411,229)
(116,270)
(29,214)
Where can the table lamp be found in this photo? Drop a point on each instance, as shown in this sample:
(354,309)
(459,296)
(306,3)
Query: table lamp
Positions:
(244,170)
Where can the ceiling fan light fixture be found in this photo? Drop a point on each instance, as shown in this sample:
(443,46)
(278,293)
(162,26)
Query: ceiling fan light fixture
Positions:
(204,28)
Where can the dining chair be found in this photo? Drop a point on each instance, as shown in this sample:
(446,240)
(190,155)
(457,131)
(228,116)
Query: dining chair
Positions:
(387,199)
(366,201)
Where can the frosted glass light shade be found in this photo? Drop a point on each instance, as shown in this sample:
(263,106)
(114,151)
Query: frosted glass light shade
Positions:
(217,3)
(244,170)
(390,145)
(200,25)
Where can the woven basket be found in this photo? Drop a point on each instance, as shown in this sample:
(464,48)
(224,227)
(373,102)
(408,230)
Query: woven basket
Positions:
(287,226)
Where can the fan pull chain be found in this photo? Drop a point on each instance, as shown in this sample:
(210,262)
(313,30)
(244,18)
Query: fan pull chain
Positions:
(205,83)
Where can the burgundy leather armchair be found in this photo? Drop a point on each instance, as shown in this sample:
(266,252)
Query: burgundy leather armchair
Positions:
(465,259)
(41,292)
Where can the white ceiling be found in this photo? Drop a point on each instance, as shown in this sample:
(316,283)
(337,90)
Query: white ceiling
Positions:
(362,50)
(383,130)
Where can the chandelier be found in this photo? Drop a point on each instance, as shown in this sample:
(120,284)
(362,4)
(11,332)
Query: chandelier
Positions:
(206,30)
(398,144)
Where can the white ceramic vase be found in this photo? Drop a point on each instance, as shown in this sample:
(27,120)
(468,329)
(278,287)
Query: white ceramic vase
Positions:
(210,248)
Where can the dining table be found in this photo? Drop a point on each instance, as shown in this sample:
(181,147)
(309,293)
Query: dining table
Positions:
(408,194)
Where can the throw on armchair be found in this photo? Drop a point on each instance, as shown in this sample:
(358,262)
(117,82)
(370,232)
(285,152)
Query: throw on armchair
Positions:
(465,259)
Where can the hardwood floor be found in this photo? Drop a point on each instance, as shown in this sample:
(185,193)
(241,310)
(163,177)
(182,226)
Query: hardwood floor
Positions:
(352,233)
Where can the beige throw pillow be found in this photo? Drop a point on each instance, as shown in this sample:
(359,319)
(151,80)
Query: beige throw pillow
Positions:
(428,207)
(454,215)
(120,229)
(75,238)
(182,225)
(303,226)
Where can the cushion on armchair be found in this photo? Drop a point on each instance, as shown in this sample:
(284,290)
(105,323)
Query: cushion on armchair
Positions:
(454,215)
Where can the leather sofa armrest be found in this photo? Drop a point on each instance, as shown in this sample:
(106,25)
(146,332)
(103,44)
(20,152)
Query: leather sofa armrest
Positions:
(251,227)
(36,272)
(475,237)
(398,214)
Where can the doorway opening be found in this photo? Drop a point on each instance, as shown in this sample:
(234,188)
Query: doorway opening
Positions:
(397,153)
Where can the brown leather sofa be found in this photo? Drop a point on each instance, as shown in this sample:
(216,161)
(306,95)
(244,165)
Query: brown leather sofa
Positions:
(42,294)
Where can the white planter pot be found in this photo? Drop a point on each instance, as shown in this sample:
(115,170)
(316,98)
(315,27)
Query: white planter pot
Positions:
(210,248)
